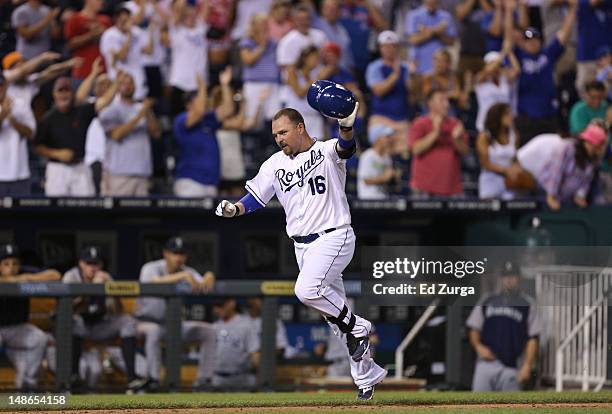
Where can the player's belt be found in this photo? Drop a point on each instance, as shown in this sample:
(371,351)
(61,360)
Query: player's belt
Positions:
(311,237)
(228,374)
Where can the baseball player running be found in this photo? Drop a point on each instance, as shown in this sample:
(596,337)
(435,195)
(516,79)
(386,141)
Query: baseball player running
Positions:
(308,178)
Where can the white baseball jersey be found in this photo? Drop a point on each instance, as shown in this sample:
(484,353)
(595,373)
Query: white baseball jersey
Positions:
(310,187)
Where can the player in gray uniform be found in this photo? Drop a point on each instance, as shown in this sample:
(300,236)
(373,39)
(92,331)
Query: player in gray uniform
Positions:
(238,346)
(25,344)
(308,177)
(254,315)
(151,312)
(502,327)
(99,318)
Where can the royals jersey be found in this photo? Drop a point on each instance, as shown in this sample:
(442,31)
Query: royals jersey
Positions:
(309,186)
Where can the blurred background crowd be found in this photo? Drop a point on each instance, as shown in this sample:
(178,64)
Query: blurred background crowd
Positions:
(490,99)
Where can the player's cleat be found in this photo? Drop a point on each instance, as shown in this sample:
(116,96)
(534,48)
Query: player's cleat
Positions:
(136,385)
(152,386)
(358,347)
(365,393)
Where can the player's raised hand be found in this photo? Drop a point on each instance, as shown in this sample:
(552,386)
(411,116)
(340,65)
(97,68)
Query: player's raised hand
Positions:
(349,120)
(226,209)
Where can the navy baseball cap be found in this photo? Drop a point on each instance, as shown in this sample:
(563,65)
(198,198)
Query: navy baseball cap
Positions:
(532,33)
(8,250)
(91,254)
(175,245)
(510,268)
(603,51)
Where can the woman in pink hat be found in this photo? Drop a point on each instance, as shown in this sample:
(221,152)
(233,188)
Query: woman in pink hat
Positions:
(564,167)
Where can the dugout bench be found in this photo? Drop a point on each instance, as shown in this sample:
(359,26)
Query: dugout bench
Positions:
(174,294)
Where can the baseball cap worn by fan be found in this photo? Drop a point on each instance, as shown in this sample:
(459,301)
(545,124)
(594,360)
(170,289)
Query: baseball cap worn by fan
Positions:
(175,245)
(378,131)
(10,59)
(532,33)
(332,47)
(510,269)
(388,37)
(603,51)
(594,134)
(492,56)
(91,254)
(8,250)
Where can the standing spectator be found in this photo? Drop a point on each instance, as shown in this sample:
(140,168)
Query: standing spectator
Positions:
(151,312)
(594,31)
(469,14)
(604,68)
(298,39)
(238,348)
(496,146)
(95,143)
(60,138)
(502,327)
(537,92)
(245,10)
(493,22)
(198,165)
(145,15)
(35,24)
(16,127)
(553,12)
(495,83)
(219,16)
(329,24)
(375,170)
(390,82)
(82,32)
(259,70)
(564,168)
(279,22)
(25,344)
(359,17)
(189,57)
(428,29)
(100,318)
(129,125)
(437,142)
(299,79)
(594,105)
(443,77)
(123,47)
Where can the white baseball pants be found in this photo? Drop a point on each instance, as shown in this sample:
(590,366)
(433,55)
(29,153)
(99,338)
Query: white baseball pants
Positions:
(319,285)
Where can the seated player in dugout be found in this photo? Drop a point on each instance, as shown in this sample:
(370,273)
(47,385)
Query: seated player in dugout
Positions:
(151,313)
(504,327)
(99,319)
(25,344)
(238,348)
(253,313)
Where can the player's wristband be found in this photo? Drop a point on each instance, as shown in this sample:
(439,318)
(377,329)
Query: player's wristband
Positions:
(250,203)
(346,144)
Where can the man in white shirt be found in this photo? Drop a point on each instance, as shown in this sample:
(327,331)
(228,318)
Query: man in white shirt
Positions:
(189,52)
(16,126)
(375,169)
(123,47)
(298,39)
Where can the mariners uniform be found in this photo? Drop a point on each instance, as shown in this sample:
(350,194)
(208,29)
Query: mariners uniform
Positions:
(310,187)
(237,339)
(151,313)
(506,321)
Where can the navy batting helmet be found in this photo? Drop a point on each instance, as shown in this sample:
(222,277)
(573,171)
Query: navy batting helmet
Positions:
(331,99)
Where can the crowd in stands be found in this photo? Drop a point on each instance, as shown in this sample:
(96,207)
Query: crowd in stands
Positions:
(497,99)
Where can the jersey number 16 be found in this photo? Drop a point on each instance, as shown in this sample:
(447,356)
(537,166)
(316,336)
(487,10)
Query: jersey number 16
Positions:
(317,185)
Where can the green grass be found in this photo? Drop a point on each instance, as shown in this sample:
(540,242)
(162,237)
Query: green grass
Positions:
(332,399)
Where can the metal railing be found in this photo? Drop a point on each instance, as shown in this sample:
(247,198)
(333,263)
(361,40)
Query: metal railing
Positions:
(574,309)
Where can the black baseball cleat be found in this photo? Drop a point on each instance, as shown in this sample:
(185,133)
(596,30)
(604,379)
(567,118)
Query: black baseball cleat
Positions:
(366,393)
(136,385)
(358,347)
